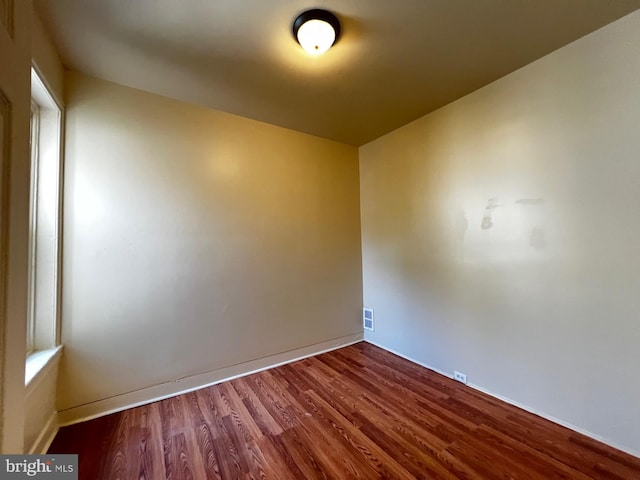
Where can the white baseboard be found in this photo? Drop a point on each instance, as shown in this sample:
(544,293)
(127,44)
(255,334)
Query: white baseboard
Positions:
(154,393)
(429,367)
(553,419)
(518,404)
(48,433)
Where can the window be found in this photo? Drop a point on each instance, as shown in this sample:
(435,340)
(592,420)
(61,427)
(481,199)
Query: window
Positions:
(44,219)
(33,146)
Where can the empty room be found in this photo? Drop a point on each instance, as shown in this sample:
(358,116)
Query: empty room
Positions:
(291,240)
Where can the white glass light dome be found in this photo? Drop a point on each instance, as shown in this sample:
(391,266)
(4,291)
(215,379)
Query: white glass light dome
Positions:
(316,30)
(316,36)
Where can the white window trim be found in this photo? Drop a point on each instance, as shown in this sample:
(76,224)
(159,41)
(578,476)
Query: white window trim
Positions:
(33,224)
(43,335)
(38,363)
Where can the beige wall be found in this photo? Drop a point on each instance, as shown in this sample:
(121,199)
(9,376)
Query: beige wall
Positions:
(24,412)
(542,307)
(40,412)
(46,59)
(14,219)
(41,419)
(195,240)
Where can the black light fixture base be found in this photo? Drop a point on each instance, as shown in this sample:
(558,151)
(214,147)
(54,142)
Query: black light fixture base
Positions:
(316,14)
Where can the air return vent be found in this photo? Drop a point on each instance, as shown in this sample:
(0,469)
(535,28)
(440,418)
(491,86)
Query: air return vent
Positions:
(367,318)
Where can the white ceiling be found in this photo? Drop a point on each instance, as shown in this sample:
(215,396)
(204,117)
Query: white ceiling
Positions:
(396,60)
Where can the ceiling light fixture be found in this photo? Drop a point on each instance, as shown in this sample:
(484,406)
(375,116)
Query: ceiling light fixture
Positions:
(316,30)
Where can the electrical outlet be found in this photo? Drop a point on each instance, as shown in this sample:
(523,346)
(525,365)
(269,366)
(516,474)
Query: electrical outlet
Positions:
(460,377)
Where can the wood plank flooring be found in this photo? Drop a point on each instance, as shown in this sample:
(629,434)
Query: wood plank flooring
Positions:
(357,412)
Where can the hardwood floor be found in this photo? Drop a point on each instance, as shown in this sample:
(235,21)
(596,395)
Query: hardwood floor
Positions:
(357,412)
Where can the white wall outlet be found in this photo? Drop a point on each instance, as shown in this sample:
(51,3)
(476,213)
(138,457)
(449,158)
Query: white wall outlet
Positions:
(460,377)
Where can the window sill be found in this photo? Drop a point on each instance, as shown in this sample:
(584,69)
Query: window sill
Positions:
(39,362)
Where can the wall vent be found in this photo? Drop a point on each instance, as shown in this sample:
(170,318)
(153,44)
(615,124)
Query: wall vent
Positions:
(367,318)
